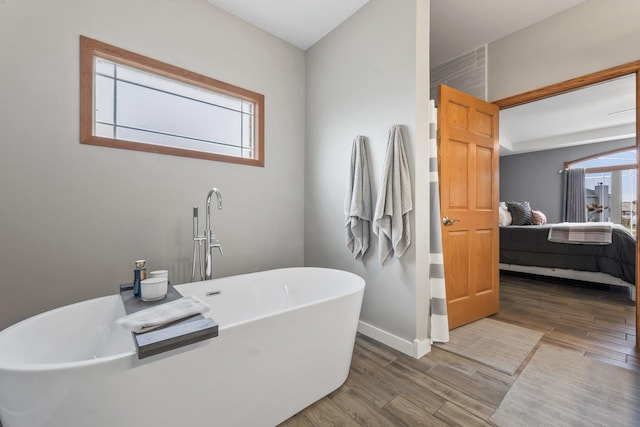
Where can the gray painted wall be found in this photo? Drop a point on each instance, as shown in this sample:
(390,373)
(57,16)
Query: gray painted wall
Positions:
(593,36)
(361,79)
(534,176)
(75,217)
(590,37)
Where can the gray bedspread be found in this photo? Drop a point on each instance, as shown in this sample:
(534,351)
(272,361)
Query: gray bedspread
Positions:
(528,245)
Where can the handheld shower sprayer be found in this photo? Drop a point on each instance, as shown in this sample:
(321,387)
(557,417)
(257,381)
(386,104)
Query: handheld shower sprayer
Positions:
(198,258)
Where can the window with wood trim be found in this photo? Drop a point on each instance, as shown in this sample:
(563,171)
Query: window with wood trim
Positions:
(134,102)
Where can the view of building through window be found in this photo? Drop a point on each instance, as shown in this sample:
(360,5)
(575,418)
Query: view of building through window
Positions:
(610,183)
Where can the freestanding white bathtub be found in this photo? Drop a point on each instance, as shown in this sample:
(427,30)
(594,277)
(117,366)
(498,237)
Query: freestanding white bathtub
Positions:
(285,340)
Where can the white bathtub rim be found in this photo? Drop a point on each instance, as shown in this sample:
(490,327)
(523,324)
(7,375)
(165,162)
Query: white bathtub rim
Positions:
(275,313)
(360,288)
(61,366)
(58,366)
(21,367)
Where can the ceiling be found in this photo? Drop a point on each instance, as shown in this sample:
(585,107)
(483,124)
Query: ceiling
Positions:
(601,112)
(303,22)
(299,22)
(595,114)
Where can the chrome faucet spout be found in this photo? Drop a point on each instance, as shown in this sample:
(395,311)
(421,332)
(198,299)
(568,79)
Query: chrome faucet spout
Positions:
(210,239)
(218,198)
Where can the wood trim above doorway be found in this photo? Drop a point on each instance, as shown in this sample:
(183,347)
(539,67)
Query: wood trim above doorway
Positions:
(577,83)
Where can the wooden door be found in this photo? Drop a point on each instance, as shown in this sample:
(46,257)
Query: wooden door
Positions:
(468,164)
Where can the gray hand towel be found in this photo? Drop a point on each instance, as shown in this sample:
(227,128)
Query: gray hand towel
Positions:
(357,203)
(391,216)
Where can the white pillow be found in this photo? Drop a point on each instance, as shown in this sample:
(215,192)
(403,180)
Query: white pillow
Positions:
(504,216)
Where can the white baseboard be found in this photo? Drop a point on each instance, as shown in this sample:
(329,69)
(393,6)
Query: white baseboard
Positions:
(415,349)
(420,348)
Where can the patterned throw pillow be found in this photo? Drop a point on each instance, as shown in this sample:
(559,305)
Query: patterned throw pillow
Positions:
(520,213)
(538,218)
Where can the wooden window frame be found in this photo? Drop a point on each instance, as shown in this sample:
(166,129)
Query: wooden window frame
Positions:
(89,48)
(568,164)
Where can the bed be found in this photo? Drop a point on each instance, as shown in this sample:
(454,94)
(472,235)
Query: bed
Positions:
(527,249)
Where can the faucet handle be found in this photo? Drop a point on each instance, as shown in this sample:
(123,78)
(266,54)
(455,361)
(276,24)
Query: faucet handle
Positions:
(215,243)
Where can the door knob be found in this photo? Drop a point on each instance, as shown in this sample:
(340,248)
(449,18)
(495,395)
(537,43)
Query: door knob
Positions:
(447,221)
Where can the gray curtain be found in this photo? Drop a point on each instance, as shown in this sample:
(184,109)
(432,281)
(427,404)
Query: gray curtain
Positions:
(575,200)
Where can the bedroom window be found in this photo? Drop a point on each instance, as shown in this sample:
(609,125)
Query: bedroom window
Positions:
(133,102)
(610,182)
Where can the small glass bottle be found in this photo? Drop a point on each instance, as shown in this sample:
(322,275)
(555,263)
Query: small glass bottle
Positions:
(139,274)
(136,282)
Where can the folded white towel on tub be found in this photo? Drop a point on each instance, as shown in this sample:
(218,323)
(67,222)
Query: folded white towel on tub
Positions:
(391,216)
(160,315)
(357,203)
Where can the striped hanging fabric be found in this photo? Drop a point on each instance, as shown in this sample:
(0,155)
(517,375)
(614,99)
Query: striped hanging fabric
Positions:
(439,321)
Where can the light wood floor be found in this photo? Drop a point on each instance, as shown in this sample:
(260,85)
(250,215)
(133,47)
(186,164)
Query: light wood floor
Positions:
(388,388)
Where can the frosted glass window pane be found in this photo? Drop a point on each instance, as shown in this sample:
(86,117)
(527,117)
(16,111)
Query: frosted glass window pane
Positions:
(144,108)
(104,67)
(174,141)
(247,131)
(104,130)
(104,99)
(179,88)
(155,104)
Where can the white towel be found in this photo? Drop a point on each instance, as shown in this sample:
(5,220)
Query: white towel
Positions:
(391,216)
(357,202)
(160,315)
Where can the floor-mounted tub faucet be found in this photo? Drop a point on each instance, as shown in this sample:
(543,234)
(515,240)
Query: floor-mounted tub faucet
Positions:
(204,256)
